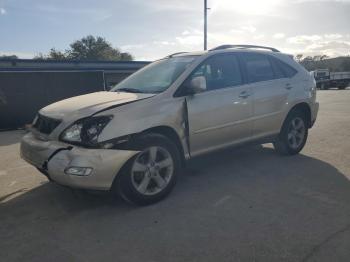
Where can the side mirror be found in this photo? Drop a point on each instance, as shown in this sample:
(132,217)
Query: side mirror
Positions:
(198,84)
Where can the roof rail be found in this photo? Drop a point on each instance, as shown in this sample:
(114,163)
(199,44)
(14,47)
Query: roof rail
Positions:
(221,47)
(172,55)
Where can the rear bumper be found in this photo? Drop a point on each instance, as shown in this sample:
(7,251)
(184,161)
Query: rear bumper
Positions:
(54,157)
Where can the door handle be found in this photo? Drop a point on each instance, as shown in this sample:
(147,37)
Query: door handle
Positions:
(289,86)
(244,94)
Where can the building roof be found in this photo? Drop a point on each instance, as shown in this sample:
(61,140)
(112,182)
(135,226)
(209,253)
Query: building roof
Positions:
(38,65)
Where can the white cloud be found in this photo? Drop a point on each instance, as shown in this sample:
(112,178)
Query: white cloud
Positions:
(250,7)
(333,36)
(164,43)
(131,47)
(260,36)
(332,48)
(303,39)
(328,44)
(279,36)
(249,28)
(3,11)
(190,40)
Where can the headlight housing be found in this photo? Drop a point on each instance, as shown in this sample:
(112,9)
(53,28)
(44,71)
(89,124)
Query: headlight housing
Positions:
(85,131)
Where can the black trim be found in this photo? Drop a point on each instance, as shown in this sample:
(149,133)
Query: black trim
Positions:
(187,126)
(46,162)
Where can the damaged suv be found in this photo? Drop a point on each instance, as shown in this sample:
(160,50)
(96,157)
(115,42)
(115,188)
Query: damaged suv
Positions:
(134,139)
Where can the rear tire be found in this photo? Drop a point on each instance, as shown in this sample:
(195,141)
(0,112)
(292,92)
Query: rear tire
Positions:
(150,175)
(293,135)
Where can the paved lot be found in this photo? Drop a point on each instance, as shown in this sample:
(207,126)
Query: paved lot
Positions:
(246,204)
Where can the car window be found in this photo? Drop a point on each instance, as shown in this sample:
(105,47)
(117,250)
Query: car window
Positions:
(258,67)
(287,69)
(155,77)
(279,72)
(220,71)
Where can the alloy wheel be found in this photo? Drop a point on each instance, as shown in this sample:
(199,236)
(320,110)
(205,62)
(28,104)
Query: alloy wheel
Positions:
(296,132)
(152,170)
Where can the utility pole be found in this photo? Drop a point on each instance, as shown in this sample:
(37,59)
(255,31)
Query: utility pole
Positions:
(205,23)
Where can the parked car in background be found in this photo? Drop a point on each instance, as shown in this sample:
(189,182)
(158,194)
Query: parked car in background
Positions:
(134,139)
(326,79)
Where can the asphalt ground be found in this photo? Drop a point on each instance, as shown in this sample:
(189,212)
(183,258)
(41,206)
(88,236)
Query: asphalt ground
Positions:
(242,204)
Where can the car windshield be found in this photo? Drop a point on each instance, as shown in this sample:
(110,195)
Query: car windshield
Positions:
(156,77)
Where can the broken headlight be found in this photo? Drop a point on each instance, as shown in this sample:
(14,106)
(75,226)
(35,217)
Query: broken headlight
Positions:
(85,131)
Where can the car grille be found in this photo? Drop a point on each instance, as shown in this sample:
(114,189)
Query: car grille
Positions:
(45,124)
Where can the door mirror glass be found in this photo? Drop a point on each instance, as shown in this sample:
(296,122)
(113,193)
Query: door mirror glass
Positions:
(198,84)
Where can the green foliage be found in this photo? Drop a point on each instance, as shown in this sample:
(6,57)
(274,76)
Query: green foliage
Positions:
(8,57)
(88,48)
(338,64)
(346,65)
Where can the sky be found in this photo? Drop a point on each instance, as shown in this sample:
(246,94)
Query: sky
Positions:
(154,28)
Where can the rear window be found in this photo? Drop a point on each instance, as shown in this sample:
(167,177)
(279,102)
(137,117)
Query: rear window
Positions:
(258,67)
(287,70)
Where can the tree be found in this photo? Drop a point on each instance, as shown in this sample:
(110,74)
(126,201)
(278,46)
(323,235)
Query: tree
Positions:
(299,57)
(9,57)
(323,57)
(346,65)
(336,64)
(53,54)
(88,48)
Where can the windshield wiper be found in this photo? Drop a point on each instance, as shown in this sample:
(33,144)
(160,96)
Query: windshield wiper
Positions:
(129,90)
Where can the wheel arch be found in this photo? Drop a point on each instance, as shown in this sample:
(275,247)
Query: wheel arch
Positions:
(171,134)
(304,108)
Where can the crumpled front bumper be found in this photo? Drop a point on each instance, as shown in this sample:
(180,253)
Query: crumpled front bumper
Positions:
(53,157)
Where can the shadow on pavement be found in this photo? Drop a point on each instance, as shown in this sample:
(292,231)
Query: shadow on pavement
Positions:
(239,204)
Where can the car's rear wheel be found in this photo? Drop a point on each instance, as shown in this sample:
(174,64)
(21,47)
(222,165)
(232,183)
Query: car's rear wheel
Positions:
(150,175)
(293,135)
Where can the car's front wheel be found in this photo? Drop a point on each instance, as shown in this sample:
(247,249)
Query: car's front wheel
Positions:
(293,135)
(150,175)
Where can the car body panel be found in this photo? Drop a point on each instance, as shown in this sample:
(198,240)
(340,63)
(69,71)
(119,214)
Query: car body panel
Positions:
(89,104)
(36,151)
(203,122)
(147,114)
(54,157)
(213,125)
(270,101)
(105,163)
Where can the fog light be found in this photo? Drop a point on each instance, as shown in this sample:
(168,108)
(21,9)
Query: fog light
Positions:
(78,171)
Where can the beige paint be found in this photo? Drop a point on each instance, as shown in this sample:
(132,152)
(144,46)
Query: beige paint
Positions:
(217,119)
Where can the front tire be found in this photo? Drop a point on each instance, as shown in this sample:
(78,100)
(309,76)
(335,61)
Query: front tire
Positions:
(149,176)
(293,135)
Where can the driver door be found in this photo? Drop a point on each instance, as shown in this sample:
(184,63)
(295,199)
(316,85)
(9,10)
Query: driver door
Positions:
(221,115)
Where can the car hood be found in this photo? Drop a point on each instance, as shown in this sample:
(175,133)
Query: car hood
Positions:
(86,105)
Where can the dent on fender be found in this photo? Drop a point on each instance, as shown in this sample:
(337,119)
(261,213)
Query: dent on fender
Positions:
(176,119)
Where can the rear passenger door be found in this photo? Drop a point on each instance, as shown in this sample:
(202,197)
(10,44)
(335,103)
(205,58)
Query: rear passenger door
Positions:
(271,89)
